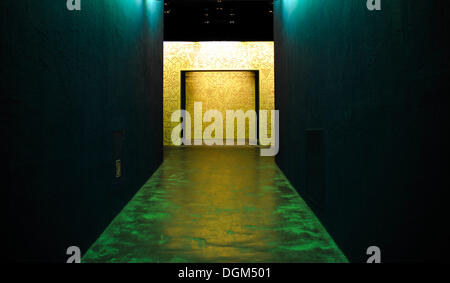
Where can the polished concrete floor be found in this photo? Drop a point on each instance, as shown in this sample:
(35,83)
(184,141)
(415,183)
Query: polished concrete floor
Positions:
(215,204)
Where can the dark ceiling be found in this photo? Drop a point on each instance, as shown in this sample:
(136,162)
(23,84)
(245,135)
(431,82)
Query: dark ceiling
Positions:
(205,20)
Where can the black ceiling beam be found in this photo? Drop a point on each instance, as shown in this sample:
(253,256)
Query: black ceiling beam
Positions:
(207,20)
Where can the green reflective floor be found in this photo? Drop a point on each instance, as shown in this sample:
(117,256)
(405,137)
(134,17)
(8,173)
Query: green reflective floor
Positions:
(215,204)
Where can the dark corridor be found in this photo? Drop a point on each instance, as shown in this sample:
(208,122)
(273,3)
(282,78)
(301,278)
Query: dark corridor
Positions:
(362,97)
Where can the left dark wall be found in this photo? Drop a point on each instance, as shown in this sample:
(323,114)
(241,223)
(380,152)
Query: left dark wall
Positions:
(81,89)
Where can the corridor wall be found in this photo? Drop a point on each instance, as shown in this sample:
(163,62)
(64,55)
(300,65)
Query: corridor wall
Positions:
(363,101)
(80,90)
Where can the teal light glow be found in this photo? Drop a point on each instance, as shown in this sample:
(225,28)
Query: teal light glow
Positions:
(139,14)
(131,9)
(289,6)
(152,5)
(155,11)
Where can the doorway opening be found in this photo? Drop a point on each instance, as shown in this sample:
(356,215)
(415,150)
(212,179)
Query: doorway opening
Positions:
(222,90)
(223,76)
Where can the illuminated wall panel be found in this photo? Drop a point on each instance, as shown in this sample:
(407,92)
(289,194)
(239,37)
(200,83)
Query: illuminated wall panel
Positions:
(213,56)
(220,91)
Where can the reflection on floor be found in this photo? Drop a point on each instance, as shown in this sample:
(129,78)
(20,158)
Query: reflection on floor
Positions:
(215,204)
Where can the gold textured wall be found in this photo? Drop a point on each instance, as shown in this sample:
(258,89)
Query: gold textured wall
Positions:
(185,56)
(221,91)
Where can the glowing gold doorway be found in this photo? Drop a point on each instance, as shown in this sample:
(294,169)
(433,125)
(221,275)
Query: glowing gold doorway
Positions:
(210,56)
(221,91)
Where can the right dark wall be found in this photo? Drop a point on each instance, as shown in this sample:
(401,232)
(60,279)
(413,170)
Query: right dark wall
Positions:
(363,100)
